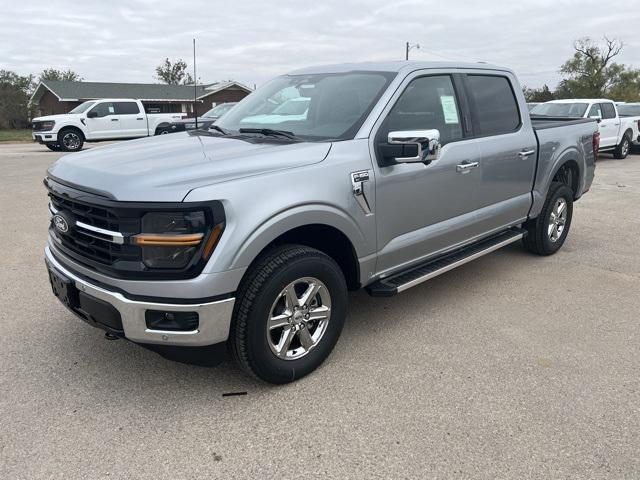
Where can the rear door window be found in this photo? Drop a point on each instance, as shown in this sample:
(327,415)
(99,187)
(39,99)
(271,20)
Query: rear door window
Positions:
(494,105)
(126,108)
(608,110)
(595,111)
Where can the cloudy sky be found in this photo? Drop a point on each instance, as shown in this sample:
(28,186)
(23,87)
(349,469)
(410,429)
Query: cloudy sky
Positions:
(253,40)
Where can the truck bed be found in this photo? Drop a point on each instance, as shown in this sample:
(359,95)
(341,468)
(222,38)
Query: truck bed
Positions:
(541,122)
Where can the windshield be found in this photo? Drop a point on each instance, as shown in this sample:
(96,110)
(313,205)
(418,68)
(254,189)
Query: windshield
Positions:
(629,110)
(219,110)
(312,107)
(83,107)
(560,109)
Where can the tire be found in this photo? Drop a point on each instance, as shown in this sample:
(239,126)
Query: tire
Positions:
(622,150)
(70,139)
(54,147)
(163,131)
(545,234)
(255,336)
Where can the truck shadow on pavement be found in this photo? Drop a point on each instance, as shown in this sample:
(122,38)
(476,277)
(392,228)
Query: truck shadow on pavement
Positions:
(108,367)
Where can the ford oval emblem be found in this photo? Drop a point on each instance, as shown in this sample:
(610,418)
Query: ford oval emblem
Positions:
(60,223)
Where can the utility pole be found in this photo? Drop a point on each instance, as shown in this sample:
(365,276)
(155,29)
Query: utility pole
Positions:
(409,47)
(195,85)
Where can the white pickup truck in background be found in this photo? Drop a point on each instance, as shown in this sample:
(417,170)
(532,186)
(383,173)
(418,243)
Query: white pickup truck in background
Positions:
(97,120)
(616,133)
(631,111)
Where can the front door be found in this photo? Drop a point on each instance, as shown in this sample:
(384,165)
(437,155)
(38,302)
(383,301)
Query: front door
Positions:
(106,124)
(421,208)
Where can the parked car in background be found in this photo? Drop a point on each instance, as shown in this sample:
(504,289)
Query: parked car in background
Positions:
(98,120)
(532,105)
(616,133)
(252,236)
(631,111)
(294,109)
(205,121)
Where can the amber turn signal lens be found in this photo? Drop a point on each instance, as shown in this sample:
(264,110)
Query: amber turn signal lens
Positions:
(213,240)
(187,240)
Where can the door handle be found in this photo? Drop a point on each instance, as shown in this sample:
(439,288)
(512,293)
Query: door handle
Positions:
(114,119)
(139,118)
(524,154)
(466,166)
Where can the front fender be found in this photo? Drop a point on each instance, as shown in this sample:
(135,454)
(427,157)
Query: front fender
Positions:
(284,221)
(69,123)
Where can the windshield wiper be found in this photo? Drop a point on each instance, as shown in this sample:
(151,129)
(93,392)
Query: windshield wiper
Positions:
(270,132)
(219,129)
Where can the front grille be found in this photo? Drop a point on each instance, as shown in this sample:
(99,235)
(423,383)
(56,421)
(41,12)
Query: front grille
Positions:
(37,126)
(88,244)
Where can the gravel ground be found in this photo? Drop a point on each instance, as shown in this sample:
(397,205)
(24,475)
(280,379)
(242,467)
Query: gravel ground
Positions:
(512,366)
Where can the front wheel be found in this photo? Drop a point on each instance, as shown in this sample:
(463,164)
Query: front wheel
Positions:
(547,232)
(70,139)
(289,314)
(622,150)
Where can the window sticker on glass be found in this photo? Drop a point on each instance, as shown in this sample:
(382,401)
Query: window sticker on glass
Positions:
(111,109)
(449,109)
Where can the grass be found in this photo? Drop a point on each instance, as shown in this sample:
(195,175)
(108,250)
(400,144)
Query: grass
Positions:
(15,135)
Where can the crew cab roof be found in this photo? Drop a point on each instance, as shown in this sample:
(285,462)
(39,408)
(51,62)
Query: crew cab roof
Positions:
(395,66)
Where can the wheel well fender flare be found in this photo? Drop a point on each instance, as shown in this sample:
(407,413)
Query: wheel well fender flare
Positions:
(73,127)
(285,221)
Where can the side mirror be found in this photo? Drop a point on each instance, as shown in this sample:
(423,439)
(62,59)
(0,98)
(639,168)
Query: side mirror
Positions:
(597,118)
(92,114)
(426,145)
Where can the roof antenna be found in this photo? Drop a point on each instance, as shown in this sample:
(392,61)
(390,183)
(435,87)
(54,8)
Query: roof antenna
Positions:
(195,84)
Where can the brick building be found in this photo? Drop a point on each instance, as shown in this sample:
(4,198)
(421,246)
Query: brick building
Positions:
(53,97)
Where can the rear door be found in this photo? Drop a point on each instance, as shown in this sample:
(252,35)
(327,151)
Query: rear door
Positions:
(609,125)
(507,147)
(132,120)
(106,124)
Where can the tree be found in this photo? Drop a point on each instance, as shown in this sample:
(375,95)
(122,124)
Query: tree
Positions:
(592,73)
(14,97)
(54,74)
(539,95)
(173,73)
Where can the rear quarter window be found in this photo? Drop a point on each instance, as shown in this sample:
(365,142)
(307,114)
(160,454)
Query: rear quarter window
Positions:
(494,105)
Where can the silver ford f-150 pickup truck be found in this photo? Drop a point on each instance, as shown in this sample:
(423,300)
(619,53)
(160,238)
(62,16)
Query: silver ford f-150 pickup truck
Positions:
(250,234)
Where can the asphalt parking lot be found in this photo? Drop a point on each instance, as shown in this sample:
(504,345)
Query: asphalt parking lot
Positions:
(512,366)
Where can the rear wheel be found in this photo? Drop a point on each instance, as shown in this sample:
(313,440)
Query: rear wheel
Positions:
(622,150)
(70,139)
(547,233)
(289,314)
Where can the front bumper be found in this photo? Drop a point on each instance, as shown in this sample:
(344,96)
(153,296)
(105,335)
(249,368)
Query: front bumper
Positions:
(44,137)
(214,317)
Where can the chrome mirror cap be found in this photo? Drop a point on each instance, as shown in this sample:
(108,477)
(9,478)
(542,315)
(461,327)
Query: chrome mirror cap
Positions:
(427,141)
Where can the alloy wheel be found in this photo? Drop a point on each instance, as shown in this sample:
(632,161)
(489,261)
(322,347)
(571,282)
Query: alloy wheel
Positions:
(557,220)
(71,140)
(298,318)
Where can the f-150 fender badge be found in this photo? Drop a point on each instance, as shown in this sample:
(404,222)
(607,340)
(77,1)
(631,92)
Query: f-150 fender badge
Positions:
(357,179)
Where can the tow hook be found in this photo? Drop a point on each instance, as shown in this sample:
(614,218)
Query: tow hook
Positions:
(111,336)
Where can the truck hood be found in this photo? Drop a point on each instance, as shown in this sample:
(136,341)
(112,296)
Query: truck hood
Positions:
(166,168)
(59,116)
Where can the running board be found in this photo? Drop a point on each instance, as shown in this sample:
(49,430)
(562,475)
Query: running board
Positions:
(413,276)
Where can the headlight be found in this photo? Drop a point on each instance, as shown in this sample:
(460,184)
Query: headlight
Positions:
(48,125)
(172,239)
